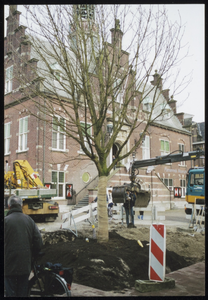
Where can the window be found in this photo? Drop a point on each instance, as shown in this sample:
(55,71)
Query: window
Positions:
(57,75)
(8,80)
(165,110)
(183,187)
(23,131)
(58,137)
(88,133)
(58,180)
(164,147)
(7,136)
(117,91)
(182,148)
(147,104)
(197,179)
(146,148)
(169,183)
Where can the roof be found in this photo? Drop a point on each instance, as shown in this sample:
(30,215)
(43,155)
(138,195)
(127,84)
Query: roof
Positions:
(168,119)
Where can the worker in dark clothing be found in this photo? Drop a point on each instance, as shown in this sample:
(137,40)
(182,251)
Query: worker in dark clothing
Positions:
(22,241)
(128,205)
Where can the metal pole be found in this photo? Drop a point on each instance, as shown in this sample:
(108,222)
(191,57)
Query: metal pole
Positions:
(44,124)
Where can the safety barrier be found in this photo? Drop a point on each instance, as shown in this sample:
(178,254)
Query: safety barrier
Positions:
(197,218)
(89,213)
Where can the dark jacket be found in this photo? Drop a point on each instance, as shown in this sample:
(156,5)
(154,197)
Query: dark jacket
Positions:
(131,202)
(22,239)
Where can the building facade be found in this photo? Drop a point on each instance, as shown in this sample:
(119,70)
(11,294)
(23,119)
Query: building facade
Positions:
(49,150)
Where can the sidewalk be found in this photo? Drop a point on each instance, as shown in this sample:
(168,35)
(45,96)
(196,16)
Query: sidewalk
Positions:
(189,281)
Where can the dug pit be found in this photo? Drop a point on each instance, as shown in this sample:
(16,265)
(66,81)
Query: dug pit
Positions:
(117,264)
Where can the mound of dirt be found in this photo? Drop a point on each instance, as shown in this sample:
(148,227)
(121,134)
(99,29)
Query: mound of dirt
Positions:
(117,264)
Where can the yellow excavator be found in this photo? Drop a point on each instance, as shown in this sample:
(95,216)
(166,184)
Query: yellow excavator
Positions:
(24,182)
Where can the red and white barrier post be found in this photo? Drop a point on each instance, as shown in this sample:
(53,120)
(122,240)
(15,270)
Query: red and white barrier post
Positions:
(157,252)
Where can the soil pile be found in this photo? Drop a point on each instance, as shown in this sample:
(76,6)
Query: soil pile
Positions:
(117,264)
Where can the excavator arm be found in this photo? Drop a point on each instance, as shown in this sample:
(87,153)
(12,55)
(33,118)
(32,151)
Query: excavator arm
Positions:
(170,158)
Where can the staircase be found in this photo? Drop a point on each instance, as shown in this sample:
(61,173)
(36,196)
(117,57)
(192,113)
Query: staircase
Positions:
(81,203)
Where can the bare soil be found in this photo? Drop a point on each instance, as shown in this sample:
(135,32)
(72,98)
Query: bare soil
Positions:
(117,264)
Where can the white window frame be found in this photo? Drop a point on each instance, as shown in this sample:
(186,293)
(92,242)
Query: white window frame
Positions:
(56,185)
(119,92)
(23,134)
(7,137)
(182,148)
(85,139)
(146,147)
(147,104)
(8,79)
(183,187)
(58,134)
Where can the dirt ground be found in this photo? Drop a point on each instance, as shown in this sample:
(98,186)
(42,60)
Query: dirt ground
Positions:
(117,264)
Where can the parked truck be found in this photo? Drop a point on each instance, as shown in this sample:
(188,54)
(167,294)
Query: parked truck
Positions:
(194,180)
(24,182)
(195,191)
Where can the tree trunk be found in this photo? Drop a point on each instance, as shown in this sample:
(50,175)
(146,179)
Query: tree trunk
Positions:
(102,236)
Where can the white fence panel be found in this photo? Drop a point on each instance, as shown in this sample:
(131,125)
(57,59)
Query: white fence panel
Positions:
(91,209)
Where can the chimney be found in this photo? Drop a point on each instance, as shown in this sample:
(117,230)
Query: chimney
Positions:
(172,104)
(157,81)
(12,19)
(116,35)
(180,117)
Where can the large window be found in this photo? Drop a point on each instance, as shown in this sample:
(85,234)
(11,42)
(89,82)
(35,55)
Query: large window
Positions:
(88,133)
(58,180)
(182,148)
(146,148)
(23,132)
(8,79)
(7,136)
(183,187)
(118,93)
(169,183)
(164,147)
(58,136)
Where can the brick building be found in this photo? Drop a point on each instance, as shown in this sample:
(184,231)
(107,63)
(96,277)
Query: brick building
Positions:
(47,149)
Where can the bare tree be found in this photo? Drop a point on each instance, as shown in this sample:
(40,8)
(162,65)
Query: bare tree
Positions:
(97,83)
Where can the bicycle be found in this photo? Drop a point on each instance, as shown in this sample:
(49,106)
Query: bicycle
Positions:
(50,282)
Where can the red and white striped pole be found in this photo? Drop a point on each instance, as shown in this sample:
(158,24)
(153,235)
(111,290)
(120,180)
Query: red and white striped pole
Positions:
(157,252)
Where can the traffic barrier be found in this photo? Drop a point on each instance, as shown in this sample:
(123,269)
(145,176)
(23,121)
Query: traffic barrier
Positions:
(89,213)
(157,252)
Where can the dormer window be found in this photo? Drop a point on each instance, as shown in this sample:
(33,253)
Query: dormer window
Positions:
(165,109)
(147,104)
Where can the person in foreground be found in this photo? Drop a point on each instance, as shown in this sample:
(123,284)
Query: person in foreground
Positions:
(22,241)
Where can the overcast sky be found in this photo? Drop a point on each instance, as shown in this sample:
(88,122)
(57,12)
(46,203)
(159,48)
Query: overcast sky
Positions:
(192,15)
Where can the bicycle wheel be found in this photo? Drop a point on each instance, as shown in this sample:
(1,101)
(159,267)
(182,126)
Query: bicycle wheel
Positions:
(56,286)
(49,284)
